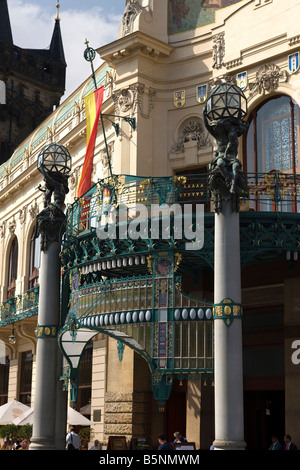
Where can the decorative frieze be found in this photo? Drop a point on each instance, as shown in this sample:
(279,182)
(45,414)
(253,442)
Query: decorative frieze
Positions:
(294,40)
(234,63)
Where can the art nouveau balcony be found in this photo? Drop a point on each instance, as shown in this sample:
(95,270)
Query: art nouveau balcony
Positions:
(268,220)
(19,307)
(131,287)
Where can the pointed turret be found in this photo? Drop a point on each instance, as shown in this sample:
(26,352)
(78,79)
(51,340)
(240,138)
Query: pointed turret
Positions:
(56,46)
(5,28)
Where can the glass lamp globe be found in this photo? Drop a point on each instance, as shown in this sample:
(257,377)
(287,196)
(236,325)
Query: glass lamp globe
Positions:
(54,158)
(226,100)
(12,339)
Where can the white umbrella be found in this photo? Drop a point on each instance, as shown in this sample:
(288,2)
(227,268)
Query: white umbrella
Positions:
(12,410)
(74,418)
(77,418)
(27,418)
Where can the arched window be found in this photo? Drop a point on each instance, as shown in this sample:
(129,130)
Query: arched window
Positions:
(12,268)
(273,136)
(34,261)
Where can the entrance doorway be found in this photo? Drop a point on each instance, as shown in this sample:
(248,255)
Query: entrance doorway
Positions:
(175,411)
(264,415)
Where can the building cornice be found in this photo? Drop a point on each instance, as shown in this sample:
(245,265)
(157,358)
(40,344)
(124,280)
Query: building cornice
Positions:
(136,42)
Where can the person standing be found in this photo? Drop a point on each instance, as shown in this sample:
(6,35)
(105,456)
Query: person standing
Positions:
(275,443)
(73,440)
(288,444)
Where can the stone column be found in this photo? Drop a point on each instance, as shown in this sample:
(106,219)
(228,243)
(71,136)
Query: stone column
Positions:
(47,350)
(227,182)
(49,424)
(229,415)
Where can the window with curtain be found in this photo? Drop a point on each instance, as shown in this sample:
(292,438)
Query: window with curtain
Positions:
(273,136)
(12,268)
(272,149)
(34,261)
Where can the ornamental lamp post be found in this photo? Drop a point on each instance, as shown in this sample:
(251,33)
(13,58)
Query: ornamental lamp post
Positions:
(224,114)
(50,404)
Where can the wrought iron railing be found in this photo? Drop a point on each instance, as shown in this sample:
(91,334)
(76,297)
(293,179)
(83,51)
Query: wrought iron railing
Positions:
(20,307)
(267,192)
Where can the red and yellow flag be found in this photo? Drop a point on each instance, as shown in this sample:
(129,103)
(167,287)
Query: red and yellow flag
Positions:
(93,104)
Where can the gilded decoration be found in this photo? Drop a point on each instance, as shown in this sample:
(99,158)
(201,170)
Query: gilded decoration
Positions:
(227,311)
(47,331)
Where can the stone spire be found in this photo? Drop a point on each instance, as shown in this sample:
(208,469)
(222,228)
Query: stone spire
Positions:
(5,28)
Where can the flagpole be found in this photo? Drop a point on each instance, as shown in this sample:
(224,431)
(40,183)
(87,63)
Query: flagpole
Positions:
(89,55)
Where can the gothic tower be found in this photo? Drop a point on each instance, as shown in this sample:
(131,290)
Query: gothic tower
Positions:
(32,81)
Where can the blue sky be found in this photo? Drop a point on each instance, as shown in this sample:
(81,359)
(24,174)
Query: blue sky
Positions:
(32,23)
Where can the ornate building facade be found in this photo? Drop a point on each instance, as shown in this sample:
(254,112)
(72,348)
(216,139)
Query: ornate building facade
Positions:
(143,349)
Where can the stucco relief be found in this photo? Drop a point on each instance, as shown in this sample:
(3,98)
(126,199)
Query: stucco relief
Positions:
(268,77)
(218,51)
(132,10)
(192,131)
(134,99)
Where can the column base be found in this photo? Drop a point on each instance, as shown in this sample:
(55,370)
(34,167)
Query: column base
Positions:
(42,443)
(221,444)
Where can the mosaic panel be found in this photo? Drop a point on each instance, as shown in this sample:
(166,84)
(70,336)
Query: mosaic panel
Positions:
(185,15)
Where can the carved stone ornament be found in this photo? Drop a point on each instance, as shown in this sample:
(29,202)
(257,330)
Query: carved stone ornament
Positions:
(12,226)
(268,78)
(73,179)
(22,215)
(193,130)
(125,101)
(103,157)
(130,99)
(2,229)
(132,10)
(33,210)
(218,51)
